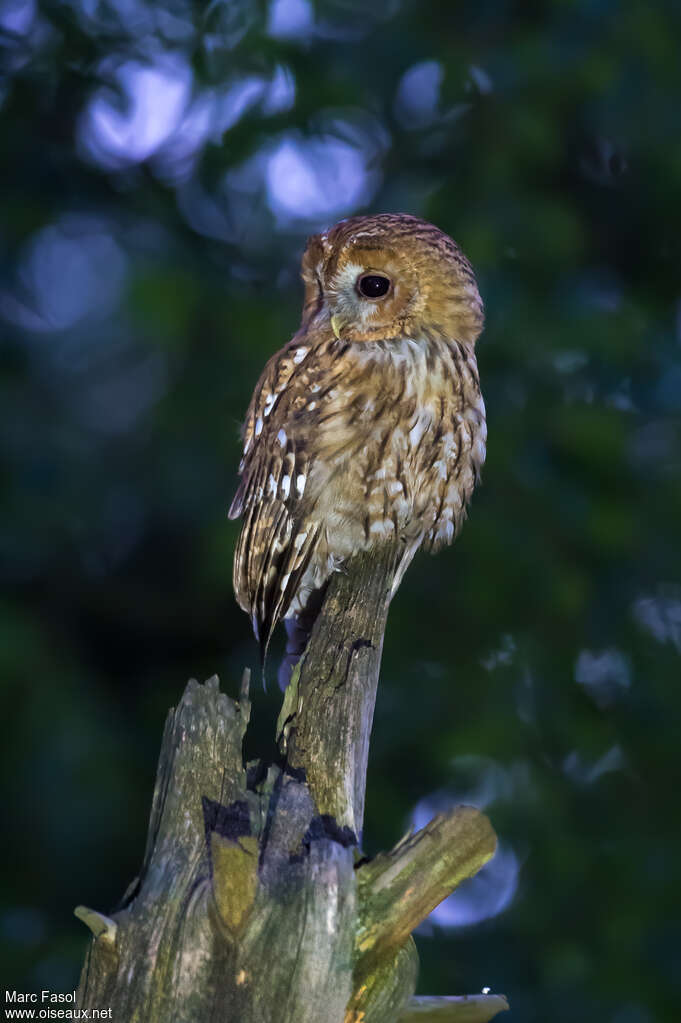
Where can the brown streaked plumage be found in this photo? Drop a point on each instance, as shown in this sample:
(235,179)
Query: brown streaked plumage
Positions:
(369,425)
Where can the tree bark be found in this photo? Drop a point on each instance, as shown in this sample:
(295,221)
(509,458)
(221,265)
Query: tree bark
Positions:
(325,721)
(253,904)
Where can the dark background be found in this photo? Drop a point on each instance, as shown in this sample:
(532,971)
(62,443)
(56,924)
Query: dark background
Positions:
(161,166)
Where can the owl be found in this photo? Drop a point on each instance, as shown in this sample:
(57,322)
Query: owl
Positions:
(368,426)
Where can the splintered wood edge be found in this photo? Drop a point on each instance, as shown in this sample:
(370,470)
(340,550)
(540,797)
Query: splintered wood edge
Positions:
(102,926)
(464,1009)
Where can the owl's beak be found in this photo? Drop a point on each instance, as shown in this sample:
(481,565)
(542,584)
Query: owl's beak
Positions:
(336,325)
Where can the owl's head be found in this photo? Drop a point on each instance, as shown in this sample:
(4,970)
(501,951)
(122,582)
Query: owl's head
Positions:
(391,276)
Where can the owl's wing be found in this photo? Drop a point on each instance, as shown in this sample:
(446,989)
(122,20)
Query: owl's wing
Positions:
(278,538)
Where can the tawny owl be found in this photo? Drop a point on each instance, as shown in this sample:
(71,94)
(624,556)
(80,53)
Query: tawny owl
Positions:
(369,425)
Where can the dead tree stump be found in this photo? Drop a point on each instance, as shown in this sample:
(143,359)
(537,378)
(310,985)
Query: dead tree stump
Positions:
(254,904)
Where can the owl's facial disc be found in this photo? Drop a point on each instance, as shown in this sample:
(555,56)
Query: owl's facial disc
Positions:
(370,287)
(390,276)
(368,296)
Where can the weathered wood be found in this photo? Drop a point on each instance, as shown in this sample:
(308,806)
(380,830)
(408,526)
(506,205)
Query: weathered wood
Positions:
(399,889)
(325,721)
(253,904)
(163,963)
(245,906)
(466,1009)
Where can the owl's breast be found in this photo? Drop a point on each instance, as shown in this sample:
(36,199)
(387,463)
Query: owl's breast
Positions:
(401,445)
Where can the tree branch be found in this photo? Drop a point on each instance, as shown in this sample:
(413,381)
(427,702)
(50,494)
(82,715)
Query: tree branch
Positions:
(467,1009)
(399,889)
(325,722)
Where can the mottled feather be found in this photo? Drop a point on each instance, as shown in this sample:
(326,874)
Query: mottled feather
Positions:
(369,425)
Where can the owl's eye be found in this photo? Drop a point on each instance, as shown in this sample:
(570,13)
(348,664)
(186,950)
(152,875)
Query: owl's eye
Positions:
(373,285)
